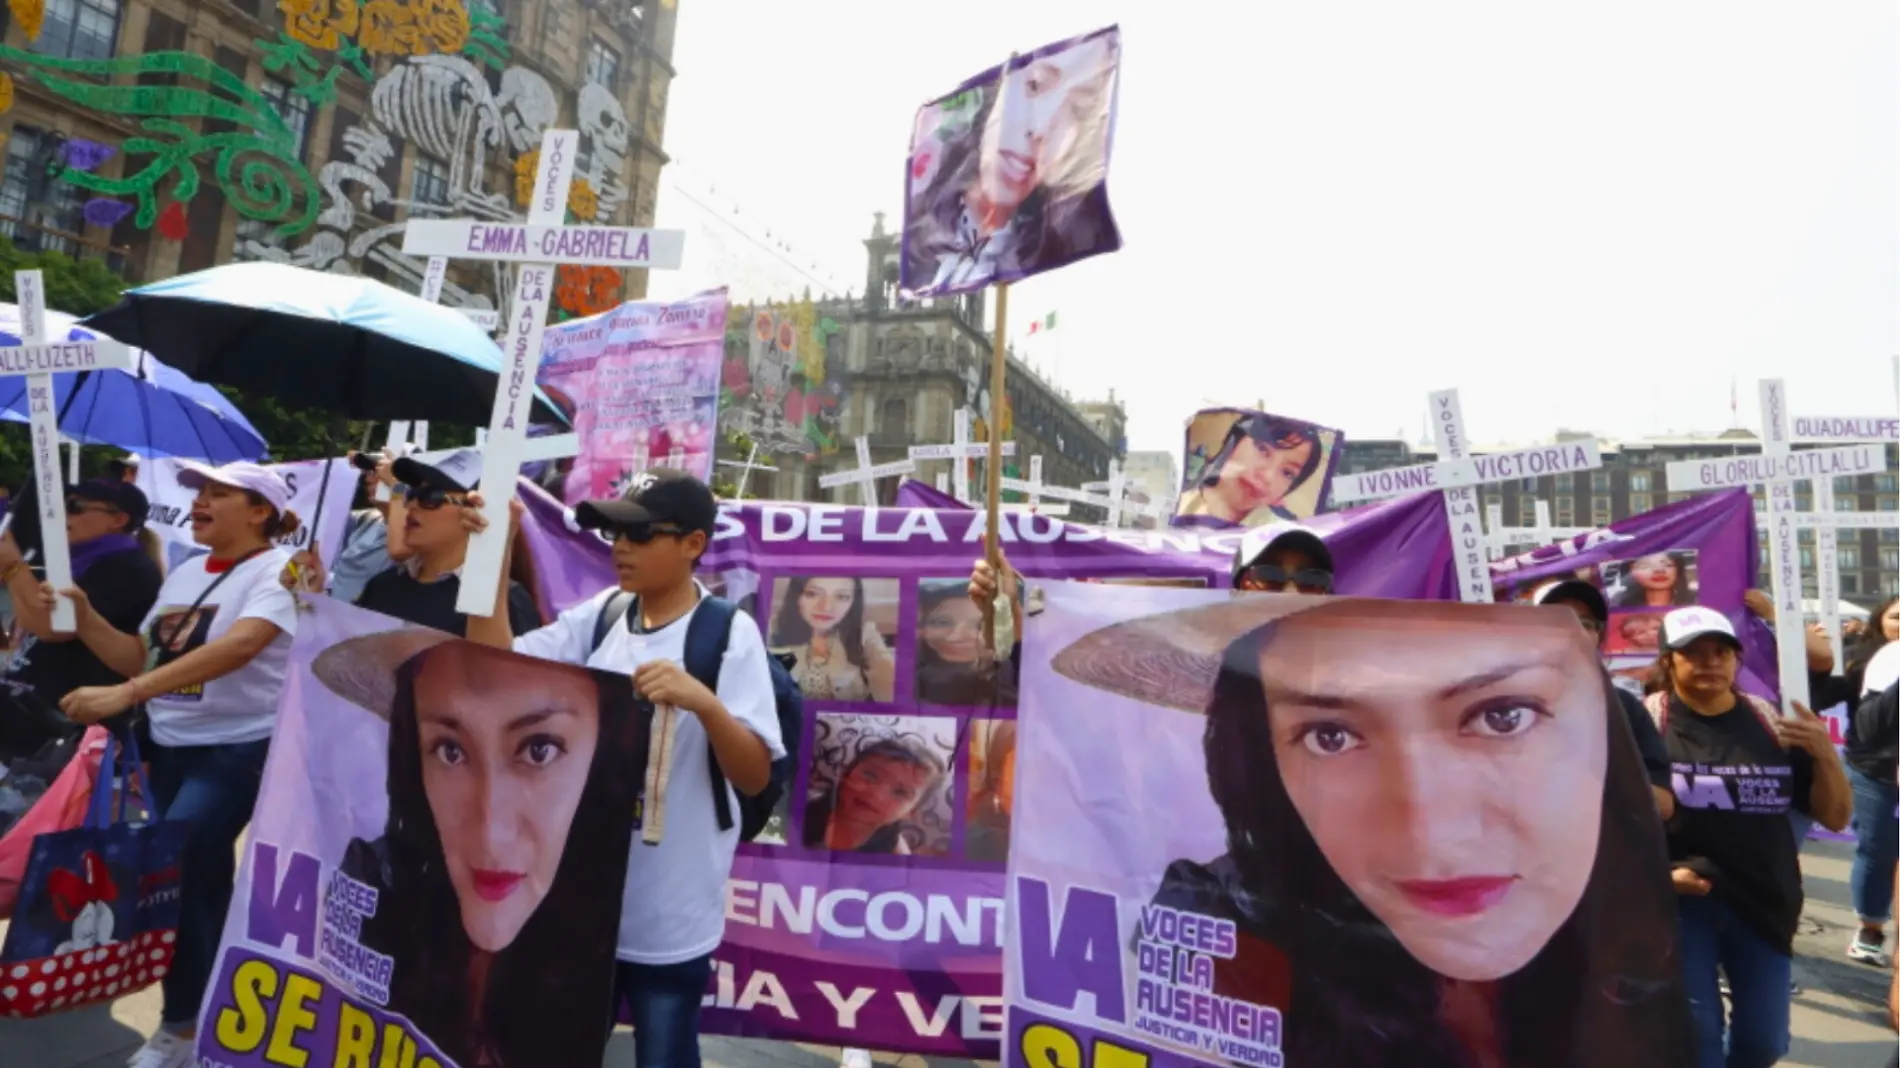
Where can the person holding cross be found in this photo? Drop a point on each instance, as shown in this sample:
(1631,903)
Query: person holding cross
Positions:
(208,662)
(673,916)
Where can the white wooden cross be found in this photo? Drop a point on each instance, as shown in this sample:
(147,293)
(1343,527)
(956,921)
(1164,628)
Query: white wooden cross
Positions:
(537,245)
(1825,521)
(1456,474)
(750,465)
(1116,506)
(432,278)
(37,358)
(866,475)
(1539,534)
(1035,505)
(1777,468)
(960,452)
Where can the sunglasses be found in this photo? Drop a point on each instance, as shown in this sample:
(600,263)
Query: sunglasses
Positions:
(430,498)
(1273,578)
(644,533)
(80,506)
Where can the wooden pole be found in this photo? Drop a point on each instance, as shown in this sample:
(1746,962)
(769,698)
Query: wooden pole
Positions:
(999,369)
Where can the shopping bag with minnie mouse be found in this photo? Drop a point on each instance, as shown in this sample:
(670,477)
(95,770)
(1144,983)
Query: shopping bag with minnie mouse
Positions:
(98,909)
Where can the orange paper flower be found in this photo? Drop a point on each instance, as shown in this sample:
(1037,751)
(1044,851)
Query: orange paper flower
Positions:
(583,291)
(30,14)
(583,201)
(413,27)
(322,24)
(526,165)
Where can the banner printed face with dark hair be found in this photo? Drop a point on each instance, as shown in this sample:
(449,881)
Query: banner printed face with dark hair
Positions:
(1250,468)
(892,944)
(368,883)
(1500,832)
(643,376)
(998,195)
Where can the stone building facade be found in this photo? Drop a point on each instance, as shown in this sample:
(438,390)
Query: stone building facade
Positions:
(167,136)
(895,372)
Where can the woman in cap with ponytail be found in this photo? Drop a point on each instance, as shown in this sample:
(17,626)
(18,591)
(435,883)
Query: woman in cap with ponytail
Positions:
(208,663)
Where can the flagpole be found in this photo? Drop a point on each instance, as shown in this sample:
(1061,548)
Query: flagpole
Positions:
(992,545)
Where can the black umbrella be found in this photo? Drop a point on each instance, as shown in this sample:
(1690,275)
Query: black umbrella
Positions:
(313,339)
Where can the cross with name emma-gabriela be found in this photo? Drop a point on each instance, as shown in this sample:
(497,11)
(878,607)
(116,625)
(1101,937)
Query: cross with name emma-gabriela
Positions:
(537,244)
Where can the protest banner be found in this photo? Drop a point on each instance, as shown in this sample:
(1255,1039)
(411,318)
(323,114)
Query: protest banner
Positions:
(1209,867)
(1029,142)
(1249,467)
(170,517)
(642,380)
(375,922)
(896,952)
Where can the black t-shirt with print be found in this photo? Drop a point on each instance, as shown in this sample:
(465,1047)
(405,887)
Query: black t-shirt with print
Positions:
(396,593)
(1734,787)
(122,588)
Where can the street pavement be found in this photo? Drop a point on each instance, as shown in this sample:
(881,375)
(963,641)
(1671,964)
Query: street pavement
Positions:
(1839,1016)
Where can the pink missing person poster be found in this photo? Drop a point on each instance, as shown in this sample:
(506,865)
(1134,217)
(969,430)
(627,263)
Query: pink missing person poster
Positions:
(641,383)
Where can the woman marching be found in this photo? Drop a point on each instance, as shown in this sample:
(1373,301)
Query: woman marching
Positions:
(208,662)
(1740,768)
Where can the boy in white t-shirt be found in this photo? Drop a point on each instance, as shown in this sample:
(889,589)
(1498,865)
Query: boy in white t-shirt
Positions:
(673,909)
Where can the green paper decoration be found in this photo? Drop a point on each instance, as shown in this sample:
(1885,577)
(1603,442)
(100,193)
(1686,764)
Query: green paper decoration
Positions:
(255,165)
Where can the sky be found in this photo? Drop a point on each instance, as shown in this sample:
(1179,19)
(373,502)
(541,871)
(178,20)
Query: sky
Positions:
(1614,217)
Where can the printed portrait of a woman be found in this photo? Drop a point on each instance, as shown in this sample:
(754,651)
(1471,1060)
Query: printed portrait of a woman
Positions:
(1653,580)
(999,192)
(1442,850)
(500,867)
(825,625)
(1248,468)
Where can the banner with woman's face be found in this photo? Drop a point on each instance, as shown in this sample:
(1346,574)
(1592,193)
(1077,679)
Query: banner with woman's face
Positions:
(1292,830)
(1007,174)
(1249,468)
(436,861)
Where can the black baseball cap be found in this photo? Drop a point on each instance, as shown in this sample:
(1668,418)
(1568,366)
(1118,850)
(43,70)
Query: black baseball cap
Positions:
(660,495)
(123,496)
(459,471)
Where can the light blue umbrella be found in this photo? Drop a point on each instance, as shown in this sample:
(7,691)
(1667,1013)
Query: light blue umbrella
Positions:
(151,409)
(338,343)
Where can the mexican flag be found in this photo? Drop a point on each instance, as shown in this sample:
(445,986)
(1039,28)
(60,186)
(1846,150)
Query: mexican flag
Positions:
(1044,324)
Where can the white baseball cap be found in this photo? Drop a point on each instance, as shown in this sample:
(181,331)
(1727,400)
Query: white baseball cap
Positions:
(1685,625)
(254,478)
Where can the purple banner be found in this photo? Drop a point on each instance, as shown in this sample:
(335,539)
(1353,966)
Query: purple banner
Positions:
(1254,838)
(1007,175)
(894,946)
(428,878)
(640,381)
(1250,468)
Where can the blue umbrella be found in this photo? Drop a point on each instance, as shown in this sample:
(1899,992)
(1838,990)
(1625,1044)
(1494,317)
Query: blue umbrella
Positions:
(151,409)
(339,343)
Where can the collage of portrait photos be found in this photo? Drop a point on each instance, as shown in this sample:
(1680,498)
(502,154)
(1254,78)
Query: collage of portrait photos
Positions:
(1639,591)
(910,721)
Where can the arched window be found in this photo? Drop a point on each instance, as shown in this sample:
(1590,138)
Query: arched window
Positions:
(894,421)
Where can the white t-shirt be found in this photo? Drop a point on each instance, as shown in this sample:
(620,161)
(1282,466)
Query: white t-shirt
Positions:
(674,905)
(241,706)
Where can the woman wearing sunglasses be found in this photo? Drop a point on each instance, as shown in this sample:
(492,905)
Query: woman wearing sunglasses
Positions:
(115,562)
(426,534)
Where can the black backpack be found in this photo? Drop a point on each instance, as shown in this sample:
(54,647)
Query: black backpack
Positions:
(706,638)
